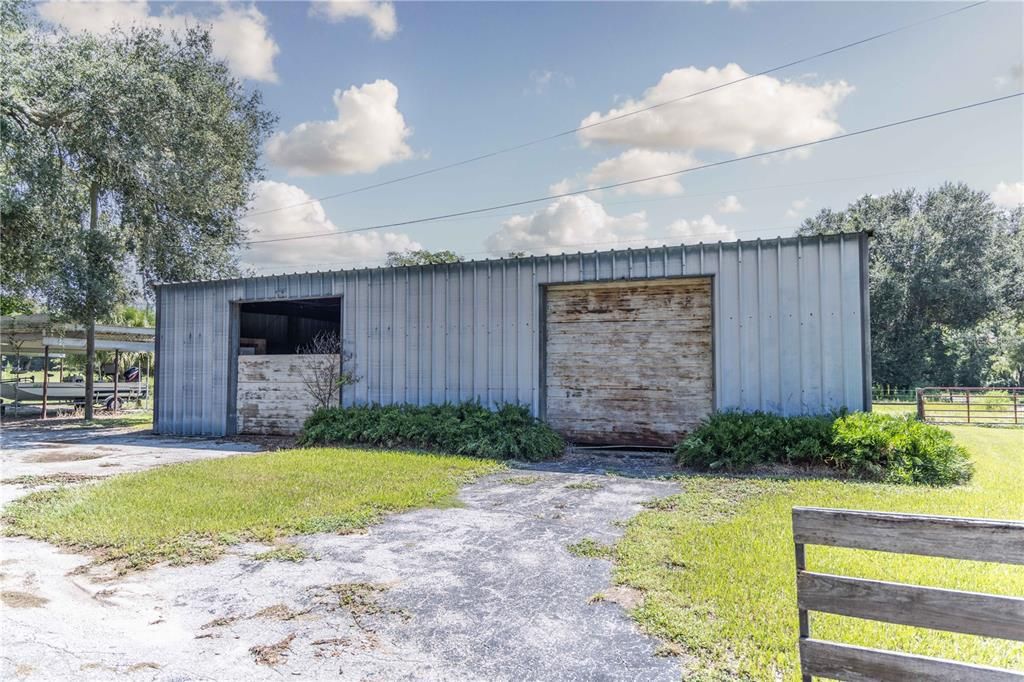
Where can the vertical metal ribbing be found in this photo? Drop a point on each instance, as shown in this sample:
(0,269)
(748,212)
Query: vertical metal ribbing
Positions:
(778,316)
(821,333)
(664,261)
(405,343)
(501,326)
(515,364)
(458,349)
(534,345)
(391,334)
(842,314)
(380,335)
(474,391)
(444,342)
(760,346)
(419,336)
(487,350)
(739,318)
(800,316)
(613,268)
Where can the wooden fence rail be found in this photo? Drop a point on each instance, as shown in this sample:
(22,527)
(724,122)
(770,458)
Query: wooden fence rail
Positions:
(927,607)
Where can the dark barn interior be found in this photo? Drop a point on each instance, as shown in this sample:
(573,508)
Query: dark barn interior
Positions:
(283,327)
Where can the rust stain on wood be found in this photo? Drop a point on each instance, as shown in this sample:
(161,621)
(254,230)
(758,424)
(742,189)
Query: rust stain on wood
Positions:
(629,362)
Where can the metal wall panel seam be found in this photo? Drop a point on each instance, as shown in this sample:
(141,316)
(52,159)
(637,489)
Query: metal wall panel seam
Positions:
(778,319)
(842,313)
(822,401)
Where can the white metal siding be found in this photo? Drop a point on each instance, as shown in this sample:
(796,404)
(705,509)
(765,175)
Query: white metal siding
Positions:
(790,320)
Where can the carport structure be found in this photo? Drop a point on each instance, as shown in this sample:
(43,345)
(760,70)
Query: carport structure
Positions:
(42,335)
(624,347)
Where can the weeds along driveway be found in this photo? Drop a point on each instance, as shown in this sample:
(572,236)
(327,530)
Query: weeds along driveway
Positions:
(482,591)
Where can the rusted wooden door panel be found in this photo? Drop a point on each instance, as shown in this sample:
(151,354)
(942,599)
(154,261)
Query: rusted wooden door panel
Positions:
(628,363)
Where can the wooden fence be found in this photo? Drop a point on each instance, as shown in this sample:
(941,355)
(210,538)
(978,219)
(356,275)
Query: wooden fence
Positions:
(927,607)
(963,405)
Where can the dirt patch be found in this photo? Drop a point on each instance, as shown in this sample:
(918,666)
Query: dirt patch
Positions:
(626,597)
(61,478)
(220,622)
(279,612)
(361,601)
(22,600)
(272,654)
(52,456)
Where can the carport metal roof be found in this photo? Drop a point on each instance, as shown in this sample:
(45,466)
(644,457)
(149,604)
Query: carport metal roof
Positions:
(31,334)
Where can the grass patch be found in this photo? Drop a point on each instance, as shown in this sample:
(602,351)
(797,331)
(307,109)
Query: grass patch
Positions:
(584,485)
(521,480)
(591,549)
(282,553)
(190,512)
(716,564)
(36,480)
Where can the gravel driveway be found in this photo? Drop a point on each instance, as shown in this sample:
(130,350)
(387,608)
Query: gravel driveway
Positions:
(484,591)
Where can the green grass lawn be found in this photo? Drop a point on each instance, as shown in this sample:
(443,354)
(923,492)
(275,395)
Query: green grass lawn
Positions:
(190,512)
(717,566)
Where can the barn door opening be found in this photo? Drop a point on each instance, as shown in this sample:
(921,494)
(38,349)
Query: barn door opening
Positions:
(628,363)
(282,347)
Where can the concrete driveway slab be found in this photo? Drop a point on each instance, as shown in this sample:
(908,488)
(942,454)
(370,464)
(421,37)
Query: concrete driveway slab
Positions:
(484,591)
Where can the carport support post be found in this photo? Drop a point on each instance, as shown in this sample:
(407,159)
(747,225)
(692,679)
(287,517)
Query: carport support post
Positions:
(46,378)
(117,362)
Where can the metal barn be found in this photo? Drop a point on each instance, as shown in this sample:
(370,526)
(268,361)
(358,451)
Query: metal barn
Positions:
(615,347)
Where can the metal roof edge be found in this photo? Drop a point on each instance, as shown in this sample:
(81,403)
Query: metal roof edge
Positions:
(530,258)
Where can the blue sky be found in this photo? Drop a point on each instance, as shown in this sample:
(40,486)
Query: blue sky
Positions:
(474,77)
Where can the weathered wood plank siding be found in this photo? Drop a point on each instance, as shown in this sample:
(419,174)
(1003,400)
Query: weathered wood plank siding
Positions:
(628,362)
(272,397)
(473,330)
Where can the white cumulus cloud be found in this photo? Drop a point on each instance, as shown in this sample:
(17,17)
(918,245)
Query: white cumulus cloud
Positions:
(567,224)
(796,208)
(381,15)
(730,204)
(1008,195)
(239,31)
(700,229)
(642,163)
(369,132)
(760,113)
(342,251)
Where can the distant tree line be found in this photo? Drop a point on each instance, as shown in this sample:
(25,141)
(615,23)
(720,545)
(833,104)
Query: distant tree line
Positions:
(946,285)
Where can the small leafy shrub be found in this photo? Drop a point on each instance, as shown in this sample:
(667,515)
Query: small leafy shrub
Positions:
(469,428)
(898,450)
(879,447)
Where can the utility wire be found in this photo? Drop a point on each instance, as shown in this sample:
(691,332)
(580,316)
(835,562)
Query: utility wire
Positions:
(626,183)
(619,117)
(743,190)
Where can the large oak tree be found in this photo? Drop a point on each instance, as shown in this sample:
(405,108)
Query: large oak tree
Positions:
(127,159)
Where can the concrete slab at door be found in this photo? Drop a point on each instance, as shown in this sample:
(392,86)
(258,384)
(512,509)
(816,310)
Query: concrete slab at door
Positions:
(628,363)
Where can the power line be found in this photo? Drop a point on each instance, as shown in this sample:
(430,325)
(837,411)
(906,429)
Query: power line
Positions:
(626,183)
(704,195)
(619,117)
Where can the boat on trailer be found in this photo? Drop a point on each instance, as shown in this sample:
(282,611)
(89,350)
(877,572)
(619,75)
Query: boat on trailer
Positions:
(71,391)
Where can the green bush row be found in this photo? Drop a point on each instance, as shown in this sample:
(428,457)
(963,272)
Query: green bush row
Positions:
(881,447)
(509,432)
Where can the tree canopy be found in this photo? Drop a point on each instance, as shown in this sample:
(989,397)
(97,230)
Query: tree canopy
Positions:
(127,158)
(946,284)
(421,257)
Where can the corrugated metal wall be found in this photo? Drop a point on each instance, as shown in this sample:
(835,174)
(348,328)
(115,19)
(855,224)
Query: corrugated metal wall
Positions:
(790,318)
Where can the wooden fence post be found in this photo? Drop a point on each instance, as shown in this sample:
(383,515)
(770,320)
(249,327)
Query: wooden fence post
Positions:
(920,404)
(967,394)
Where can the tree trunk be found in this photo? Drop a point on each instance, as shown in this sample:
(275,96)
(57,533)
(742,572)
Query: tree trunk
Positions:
(90,329)
(90,367)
